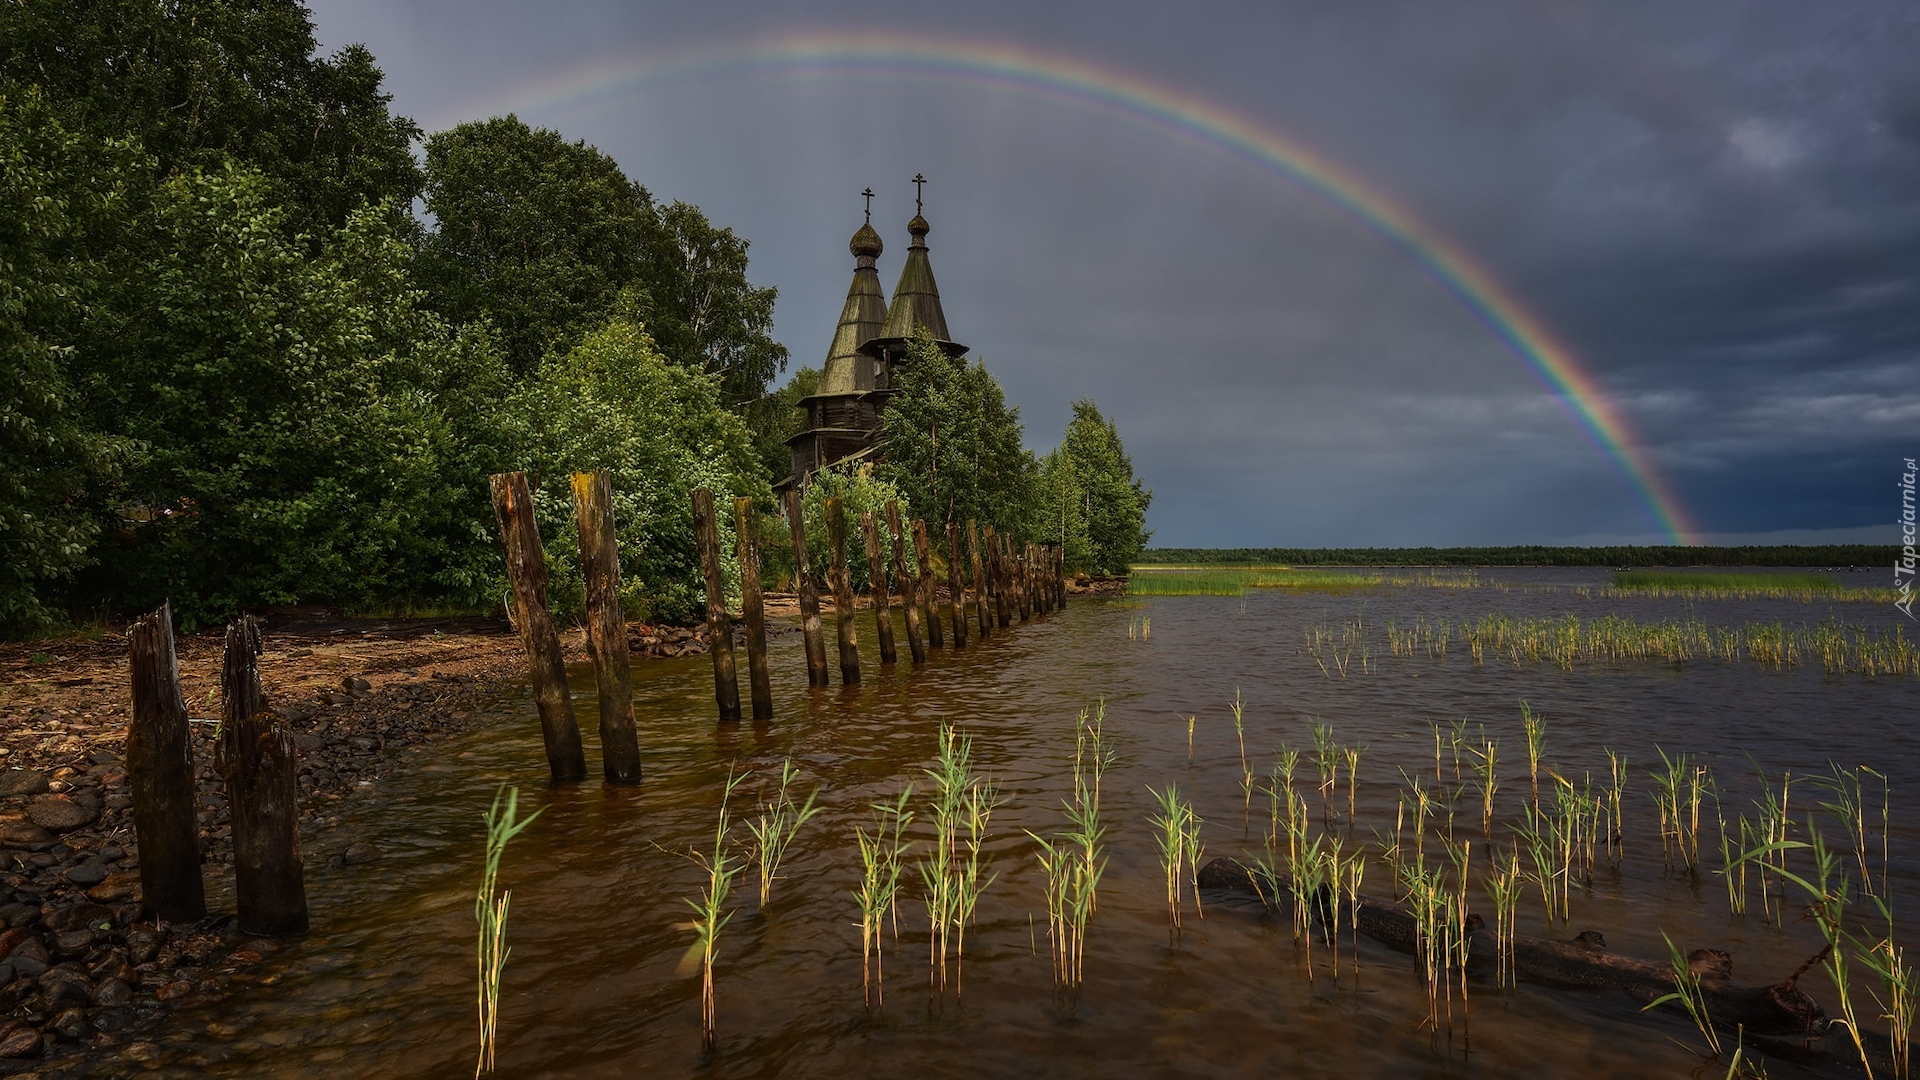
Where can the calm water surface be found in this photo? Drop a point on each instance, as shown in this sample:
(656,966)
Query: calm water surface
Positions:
(384,985)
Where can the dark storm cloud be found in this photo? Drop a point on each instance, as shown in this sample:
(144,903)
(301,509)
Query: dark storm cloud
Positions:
(1714,205)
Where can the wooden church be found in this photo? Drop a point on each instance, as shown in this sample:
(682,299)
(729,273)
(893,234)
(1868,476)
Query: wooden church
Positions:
(869,350)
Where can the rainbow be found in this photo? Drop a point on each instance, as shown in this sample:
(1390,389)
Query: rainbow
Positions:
(1181,115)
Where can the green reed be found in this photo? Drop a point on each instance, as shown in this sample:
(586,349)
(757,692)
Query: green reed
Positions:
(1326,761)
(1075,859)
(1177,831)
(490,905)
(709,914)
(1808,588)
(1505,882)
(1240,733)
(1486,771)
(1567,640)
(960,806)
(779,822)
(1536,730)
(1888,961)
(1687,994)
(1679,788)
(1616,828)
(881,862)
(1351,756)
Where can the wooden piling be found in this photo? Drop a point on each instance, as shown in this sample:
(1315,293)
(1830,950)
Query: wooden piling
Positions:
(754,609)
(160,774)
(726,681)
(841,582)
(929,598)
(916,643)
(1020,590)
(809,595)
(877,588)
(1003,575)
(955,592)
(606,625)
(527,573)
(256,758)
(981,586)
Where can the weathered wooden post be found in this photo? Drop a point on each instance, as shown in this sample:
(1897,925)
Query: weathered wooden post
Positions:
(753,606)
(808,594)
(1003,577)
(1020,582)
(1060,573)
(726,682)
(606,625)
(954,591)
(160,772)
(981,586)
(929,595)
(877,588)
(255,756)
(841,582)
(915,642)
(527,573)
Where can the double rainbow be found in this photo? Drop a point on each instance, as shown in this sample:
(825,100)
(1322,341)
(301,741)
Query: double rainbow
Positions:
(1021,70)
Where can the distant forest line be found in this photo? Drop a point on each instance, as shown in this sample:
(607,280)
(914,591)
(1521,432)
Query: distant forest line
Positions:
(1536,555)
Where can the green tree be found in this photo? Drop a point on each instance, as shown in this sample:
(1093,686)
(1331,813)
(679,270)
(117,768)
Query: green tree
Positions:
(58,189)
(953,444)
(1091,501)
(198,83)
(614,402)
(548,239)
(862,492)
(309,431)
(777,417)
(533,233)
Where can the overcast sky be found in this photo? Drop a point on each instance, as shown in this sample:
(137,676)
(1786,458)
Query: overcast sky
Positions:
(1715,206)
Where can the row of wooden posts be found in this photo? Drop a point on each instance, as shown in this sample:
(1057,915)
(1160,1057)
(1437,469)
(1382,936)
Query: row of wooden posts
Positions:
(1005,584)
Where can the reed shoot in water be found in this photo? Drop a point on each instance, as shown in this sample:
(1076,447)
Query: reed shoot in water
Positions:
(709,914)
(961,802)
(490,906)
(881,855)
(1504,885)
(1536,728)
(1177,831)
(1687,994)
(1486,769)
(779,822)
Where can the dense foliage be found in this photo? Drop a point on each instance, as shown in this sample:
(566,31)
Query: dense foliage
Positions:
(1875,555)
(235,370)
(953,444)
(860,492)
(1090,499)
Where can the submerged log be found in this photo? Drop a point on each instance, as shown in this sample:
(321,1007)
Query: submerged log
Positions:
(753,609)
(1780,1009)
(527,573)
(809,595)
(916,643)
(255,756)
(160,772)
(606,625)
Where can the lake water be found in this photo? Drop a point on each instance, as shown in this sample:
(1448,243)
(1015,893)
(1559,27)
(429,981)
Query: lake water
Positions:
(384,986)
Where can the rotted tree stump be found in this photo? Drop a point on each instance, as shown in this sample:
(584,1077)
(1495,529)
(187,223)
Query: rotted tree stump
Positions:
(957,595)
(877,588)
(841,581)
(160,772)
(255,757)
(753,609)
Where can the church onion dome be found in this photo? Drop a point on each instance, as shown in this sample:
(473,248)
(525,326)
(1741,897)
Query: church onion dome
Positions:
(916,301)
(866,242)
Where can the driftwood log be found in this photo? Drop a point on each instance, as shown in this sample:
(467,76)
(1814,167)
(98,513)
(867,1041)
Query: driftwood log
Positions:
(1781,1009)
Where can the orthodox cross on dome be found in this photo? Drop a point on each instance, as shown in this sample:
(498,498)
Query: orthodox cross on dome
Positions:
(917,181)
(869,194)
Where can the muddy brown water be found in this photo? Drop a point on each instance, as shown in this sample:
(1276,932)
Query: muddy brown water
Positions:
(384,986)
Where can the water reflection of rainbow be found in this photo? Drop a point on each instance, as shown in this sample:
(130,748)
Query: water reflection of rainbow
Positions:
(1027,71)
